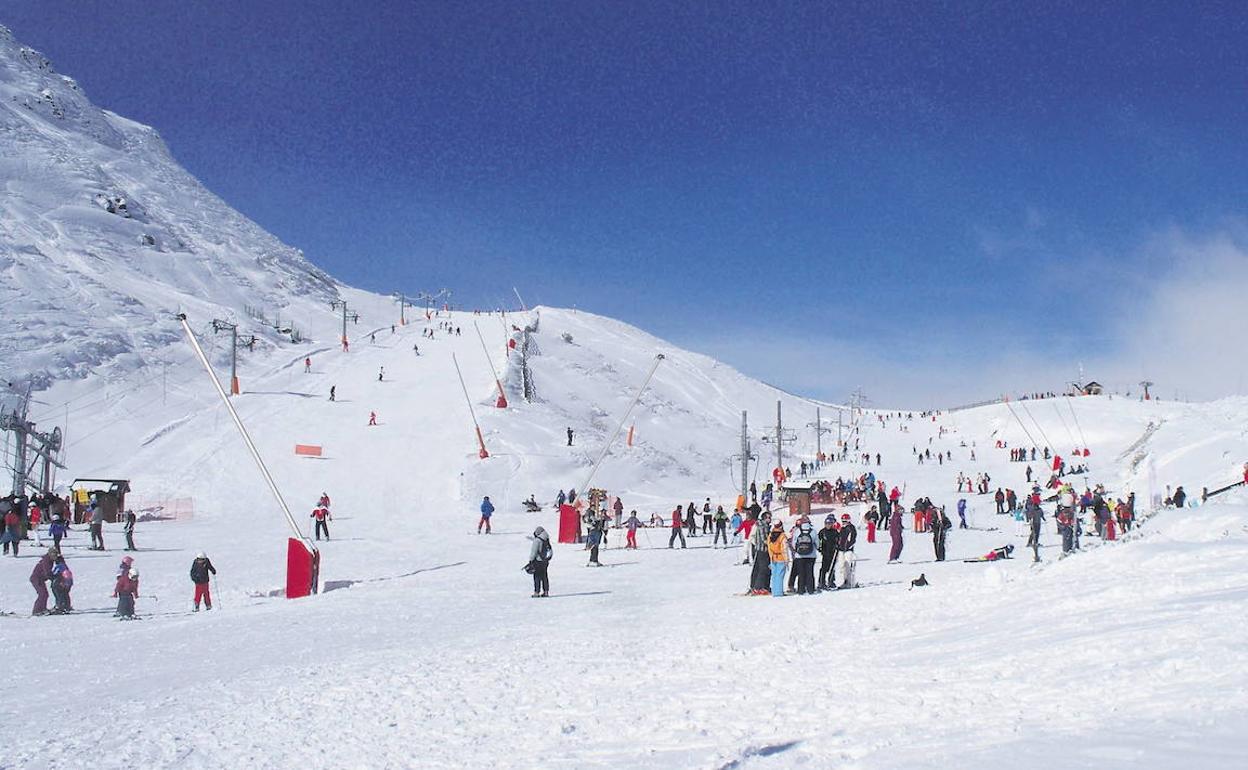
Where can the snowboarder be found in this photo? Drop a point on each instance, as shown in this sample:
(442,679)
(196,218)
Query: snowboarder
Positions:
(678,528)
(39,577)
(323,517)
(540,554)
(129,530)
(487,510)
(569,436)
(126,591)
(778,556)
(201,568)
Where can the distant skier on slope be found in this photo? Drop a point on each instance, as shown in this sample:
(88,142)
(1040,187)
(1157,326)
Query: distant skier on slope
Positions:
(569,436)
(678,528)
(323,517)
(487,510)
(894,532)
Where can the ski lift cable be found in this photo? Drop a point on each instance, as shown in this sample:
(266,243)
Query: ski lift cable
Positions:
(1047,442)
(1069,433)
(1070,404)
(1030,437)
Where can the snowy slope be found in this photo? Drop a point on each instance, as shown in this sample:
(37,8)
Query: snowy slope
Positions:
(87,282)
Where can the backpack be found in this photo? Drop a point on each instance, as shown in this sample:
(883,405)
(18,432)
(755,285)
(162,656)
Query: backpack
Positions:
(804,545)
(546,552)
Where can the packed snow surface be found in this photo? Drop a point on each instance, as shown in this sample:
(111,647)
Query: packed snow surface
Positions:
(424,649)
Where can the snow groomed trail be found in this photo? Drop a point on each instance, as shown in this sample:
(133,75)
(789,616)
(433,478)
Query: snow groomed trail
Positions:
(433,655)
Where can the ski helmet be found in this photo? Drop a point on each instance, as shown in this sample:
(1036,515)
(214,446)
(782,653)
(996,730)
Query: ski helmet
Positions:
(830,519)
(844,517)
(201,555)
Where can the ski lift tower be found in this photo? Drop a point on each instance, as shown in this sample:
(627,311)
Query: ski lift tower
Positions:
(1146,384)
(31,447)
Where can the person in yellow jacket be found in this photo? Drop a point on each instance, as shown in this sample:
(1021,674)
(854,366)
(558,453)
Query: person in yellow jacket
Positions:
(778,550)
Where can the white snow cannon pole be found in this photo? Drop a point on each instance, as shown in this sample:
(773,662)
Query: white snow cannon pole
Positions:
(480,441)
(502,397)
(303,559)
(607,447)
(523,307)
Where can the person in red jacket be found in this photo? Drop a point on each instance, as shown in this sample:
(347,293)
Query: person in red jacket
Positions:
(678,521)
(126,591)
(323,517)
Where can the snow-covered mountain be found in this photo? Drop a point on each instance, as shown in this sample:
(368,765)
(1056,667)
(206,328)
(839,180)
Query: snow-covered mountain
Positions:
(103,235)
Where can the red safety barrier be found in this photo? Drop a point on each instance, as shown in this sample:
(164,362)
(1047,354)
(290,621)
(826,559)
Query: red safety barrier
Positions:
(307,450)
(303,569)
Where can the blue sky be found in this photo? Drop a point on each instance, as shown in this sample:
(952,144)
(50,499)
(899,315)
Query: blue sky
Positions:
(825,195)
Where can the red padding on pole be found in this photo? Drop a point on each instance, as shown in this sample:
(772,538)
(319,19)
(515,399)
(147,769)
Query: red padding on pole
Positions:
(569,524)
(481,442)
(502,398)
(303,569)
(234,386)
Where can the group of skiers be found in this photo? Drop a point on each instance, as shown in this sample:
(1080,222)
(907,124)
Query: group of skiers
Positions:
(771,550)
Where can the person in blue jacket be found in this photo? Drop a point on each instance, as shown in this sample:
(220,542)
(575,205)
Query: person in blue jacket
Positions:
(962,513)
(487,510)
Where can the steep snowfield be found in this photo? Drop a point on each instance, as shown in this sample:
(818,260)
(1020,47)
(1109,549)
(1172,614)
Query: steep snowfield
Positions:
(1126,655)
(87,283)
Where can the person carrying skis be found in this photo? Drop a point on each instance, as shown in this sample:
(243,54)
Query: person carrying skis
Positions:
(126,591)
(487,510)
(201,569)
(940,527)
(630,540)
(829,537)
(39,577)
(778,556)
(540,554)
(846,540)
(721,526)
(678,527)
(323,517)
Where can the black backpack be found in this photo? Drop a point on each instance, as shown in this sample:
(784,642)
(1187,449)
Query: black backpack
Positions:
(546,553)
(804,545)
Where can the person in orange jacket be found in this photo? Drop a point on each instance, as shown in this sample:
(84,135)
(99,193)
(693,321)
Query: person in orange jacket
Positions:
(778,552)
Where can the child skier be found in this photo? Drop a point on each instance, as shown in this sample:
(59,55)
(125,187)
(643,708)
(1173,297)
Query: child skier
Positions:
(126,590)
(201,568)
(58,529)
(62,583)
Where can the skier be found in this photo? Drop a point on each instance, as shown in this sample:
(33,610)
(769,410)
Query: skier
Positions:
(721,526)
(872,518)
(97,525)
(332,390)
(630,541)
(36,517)
(757,544)
(129,530)
(847,539)
(540,554)
(126,590)
(597,525)
(894,532)
(707,517)
(560,498)
(415,348)
(678,527)
(828,540)
(307,366)
(962,513)
(804,552)
(1000,499)
(12,531)
(735,525)
(323,517)
(372,418)
(201,568)
(62,583)
(569,436)
(778,554)
(39,577)
(381,374)
(691,521)
(940,528)
(487,510)
(1180,497)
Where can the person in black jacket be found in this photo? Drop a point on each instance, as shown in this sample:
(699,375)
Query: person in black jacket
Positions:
(940,527)
(829,540)
(201,568)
